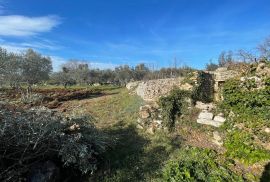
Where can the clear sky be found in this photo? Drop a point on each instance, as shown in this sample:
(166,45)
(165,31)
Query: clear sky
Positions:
(113,32)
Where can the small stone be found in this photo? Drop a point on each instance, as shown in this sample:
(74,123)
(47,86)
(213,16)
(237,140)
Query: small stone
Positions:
(159,122)
(139,126)
(217,138)
(231,114)
(242,79)
(150,130)
(267,130)
(219,119)
(145,107)
(144,114)
(266,146)
(139,120)
(221,114)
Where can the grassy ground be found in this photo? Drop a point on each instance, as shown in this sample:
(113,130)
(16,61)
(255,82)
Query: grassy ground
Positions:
(136,156)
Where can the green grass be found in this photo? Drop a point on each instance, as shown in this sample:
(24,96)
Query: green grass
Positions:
(135,155)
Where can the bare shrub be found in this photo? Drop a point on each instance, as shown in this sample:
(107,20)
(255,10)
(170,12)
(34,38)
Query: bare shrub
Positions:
(29,137)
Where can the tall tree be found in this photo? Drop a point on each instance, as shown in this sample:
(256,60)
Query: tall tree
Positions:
(35,67)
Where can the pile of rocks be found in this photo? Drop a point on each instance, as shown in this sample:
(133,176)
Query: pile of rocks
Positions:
(262,70)
(207,117)
(132,85)
(259,82)
(149,118)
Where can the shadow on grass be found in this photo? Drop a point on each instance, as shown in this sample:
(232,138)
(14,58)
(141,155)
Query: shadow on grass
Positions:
(131,159)
(266,173)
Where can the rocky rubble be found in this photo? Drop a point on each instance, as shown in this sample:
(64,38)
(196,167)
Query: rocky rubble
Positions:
(149,118)
(217,138)
(132,85)
(262,70)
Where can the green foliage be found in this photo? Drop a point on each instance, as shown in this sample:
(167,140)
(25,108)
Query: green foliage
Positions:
(251,108)
(196,164)
(243,99)
(30,67)
(204,90)
(172,106)
(240,145)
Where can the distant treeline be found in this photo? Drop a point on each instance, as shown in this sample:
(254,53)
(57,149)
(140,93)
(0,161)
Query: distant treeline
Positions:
(75,72)
(31,67)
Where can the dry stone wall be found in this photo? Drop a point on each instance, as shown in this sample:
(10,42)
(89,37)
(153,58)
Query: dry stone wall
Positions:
(220,76)
(151,90)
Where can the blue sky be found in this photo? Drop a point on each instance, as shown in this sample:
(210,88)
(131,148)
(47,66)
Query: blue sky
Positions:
(107,33)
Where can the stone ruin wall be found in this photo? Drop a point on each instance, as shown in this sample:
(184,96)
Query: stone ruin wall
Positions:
(150,118)
(220,76)
(151,90)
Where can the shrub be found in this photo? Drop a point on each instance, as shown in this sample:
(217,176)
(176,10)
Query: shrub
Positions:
(196,164)
(242,99)
(251,107)
(240,145)
(29,137)
(172,106)
(204,91)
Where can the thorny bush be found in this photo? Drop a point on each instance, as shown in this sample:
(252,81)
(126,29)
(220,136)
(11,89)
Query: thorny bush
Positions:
(33,136)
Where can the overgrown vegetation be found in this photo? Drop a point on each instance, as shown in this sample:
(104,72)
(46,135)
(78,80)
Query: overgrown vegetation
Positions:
(194,164)
(250,106)
(29,138)
(204,90)
(240,145)
(245,100)
(173,106)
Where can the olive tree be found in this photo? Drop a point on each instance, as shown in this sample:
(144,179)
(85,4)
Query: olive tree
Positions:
(35,67)
(10,68)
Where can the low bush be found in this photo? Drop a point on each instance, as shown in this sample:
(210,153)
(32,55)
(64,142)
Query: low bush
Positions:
(194,164)
(243,99)
(30,137)
(240,145)
(173,106)
(250,106)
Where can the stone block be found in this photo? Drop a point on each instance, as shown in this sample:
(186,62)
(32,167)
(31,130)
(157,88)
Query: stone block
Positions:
(209,122)
(219,119)
(206,115)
